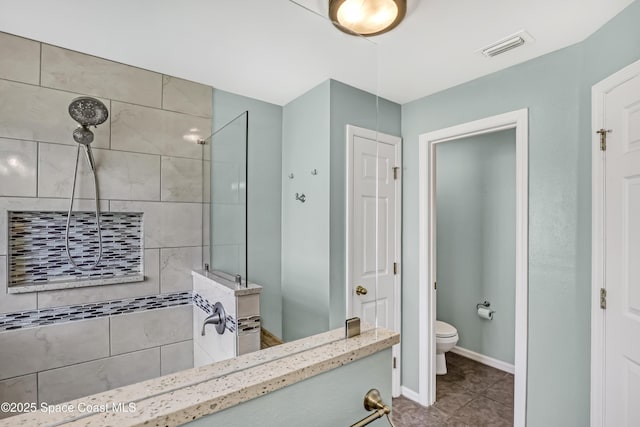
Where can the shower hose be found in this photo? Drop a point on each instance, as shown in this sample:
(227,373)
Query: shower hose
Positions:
(66,237)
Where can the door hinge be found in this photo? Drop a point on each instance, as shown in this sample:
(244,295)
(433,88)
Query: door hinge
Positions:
(603,138)
(396,172)
(395,268)
(435,285)
(603,298)
(395,363)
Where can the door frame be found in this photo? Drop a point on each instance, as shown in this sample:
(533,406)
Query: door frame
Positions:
(517,120)
(396,141)
(598,94)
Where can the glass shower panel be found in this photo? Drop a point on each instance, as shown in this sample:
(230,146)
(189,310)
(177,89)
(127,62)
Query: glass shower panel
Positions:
(276,212)
(226,214)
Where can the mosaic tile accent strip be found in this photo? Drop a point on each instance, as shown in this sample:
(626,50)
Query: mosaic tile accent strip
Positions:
(248,325)
(37,253)
(203,304)
(50,316)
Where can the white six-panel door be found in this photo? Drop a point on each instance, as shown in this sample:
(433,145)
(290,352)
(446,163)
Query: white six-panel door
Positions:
(622,256)
(374,232)
(616,257)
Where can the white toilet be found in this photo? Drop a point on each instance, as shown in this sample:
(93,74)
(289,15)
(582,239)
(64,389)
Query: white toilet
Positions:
(446,339)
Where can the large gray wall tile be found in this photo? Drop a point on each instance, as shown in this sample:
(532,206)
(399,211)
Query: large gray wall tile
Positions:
(72,382)
(152,131)
(19,390)
(176,357)
(40,114)
(20,59)
(150,286)
(39,204)
(121,175)
(181,179)
(176,265)
(13,302)
(136,331)
(25,351)
(18,167)
(77,72)
(167,224)
(186,96)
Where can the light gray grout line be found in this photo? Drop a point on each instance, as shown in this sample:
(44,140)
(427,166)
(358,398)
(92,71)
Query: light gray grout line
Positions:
(106,97)
(182,113)
(175,247)
(109,337)
(160,192)
(101,148)
(160,357)
(162,91)
(110,118)
(40,66)
(111,149)
(37,169)
(156,201)
(159,270)
(92,56)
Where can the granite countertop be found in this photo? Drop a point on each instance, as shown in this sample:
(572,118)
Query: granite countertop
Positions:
(178,398)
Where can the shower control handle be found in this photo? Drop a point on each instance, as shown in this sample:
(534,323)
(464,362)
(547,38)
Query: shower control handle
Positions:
(218,318)
(361,290)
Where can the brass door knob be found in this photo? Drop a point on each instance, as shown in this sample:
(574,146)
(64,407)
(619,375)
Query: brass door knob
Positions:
(361,290)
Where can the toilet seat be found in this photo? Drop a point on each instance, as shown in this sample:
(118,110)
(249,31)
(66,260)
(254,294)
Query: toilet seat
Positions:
(445,330)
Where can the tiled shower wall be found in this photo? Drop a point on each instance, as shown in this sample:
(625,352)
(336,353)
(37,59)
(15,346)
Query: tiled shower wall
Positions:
(147,161)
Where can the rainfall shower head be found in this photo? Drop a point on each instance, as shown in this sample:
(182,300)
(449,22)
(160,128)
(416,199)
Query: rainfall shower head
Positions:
(88,111)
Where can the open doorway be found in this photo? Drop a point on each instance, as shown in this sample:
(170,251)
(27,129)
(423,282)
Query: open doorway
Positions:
(479,335)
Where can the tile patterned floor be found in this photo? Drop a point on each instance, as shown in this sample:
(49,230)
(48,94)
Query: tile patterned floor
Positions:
(469,395)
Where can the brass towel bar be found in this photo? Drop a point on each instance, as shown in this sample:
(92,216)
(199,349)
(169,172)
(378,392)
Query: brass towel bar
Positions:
(373,402)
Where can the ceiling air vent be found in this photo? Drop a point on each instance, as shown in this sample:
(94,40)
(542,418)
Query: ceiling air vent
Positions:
(506,44)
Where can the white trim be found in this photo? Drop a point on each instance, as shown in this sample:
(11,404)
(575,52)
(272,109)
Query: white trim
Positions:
(396,142)
(517,120)
(598,92)
(410,394)
(485,360)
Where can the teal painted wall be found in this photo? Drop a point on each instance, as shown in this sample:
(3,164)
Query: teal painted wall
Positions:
(264,196)
(297,250)
(476,211)
(556,88)
(349,105)
(313,256)
(333,398)
(305,226)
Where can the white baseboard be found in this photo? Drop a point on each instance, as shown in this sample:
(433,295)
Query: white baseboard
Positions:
(410,394)
(485,360)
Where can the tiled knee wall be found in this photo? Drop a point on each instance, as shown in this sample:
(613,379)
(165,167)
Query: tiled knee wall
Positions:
(60,354)
(81,350)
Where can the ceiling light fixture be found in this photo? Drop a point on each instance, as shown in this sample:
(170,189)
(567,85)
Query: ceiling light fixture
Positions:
(367,17)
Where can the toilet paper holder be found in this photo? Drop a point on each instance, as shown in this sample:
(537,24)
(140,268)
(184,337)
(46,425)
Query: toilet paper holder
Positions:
(485,304)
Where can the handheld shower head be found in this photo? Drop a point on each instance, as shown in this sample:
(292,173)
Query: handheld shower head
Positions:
(82,135)
(88,111)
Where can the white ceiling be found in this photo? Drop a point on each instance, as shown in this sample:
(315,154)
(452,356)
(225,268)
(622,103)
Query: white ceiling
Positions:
(275,50)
